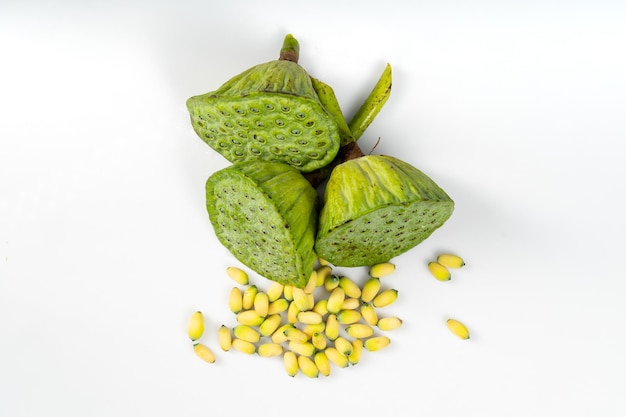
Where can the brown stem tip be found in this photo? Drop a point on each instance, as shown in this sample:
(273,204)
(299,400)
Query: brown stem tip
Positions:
(290,50)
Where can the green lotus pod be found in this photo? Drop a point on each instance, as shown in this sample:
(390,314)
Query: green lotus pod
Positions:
(377,207)
(269,112)
(265,214)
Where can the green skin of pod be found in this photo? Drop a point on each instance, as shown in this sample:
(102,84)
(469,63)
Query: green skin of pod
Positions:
(377,207)
(265,214)
(269,112)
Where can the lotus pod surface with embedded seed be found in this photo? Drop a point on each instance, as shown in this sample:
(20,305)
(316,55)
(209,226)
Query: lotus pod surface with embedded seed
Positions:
(265,214)
(377,207)
(269,112)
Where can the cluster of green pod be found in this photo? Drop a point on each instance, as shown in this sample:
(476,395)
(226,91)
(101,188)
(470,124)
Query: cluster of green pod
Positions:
(328,323)
(285,134)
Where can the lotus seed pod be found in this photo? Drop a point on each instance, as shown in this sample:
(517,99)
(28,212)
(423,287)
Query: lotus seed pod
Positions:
(377,207)
(265,214)
(269,112)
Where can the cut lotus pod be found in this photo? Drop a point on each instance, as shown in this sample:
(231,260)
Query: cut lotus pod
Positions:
(377,207)
(265,214)
(269,112)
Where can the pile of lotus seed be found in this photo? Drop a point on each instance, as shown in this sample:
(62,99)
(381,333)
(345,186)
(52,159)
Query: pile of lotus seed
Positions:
(330,321)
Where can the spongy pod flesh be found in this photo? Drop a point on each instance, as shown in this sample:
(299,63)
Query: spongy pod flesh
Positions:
(265,214)
(269,112)
(377,207)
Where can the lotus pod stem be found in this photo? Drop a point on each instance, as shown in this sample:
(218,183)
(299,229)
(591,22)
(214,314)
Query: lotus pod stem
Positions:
(290,50)
(372,105)
(349,133)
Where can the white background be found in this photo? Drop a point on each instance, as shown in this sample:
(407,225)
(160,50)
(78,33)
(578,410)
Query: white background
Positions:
(515,108)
